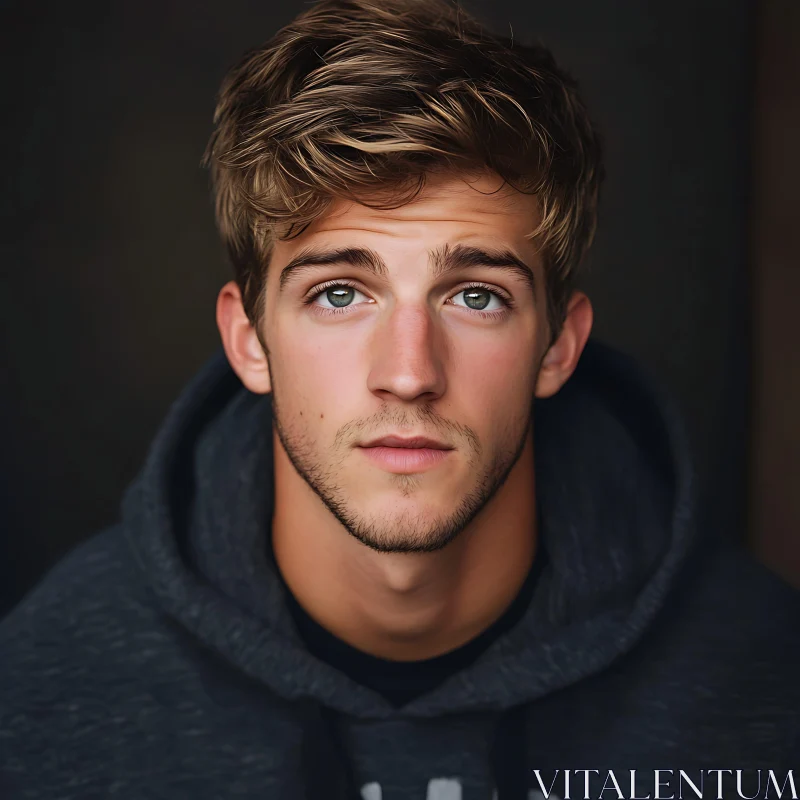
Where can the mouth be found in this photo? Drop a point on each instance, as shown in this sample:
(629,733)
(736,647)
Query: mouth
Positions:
(406,454)
(405,459)
(409,443)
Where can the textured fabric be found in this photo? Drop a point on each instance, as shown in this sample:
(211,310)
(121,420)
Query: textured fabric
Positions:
(159,659)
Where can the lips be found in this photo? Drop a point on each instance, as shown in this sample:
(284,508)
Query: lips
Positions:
(409,458)
(410,442)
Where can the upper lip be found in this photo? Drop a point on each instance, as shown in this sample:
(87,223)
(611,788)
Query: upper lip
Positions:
(413,441)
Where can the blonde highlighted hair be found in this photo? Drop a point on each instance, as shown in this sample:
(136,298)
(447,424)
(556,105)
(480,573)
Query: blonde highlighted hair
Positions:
(364,99)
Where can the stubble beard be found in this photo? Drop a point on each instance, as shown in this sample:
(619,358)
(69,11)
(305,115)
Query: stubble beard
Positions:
(404,532)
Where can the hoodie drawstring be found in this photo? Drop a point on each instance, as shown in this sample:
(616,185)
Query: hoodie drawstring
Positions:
(327,769)
(509,755)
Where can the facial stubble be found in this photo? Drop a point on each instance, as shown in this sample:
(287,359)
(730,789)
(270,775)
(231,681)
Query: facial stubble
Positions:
(402,532)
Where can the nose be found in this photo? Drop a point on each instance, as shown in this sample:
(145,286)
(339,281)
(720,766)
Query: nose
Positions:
(406,356)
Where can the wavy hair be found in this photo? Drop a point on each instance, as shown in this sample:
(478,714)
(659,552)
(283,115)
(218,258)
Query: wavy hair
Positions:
(364,99)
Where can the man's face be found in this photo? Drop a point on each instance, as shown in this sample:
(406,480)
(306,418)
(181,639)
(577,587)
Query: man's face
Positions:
(408,349)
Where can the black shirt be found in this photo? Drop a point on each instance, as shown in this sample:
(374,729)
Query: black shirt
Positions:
(402,681)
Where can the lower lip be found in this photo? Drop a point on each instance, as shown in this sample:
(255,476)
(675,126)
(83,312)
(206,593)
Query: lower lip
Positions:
(405,459)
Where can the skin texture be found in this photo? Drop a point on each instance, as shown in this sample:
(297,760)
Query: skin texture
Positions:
(406,566)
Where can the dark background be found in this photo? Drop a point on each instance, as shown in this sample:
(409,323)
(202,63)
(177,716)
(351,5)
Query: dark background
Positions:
(111,262)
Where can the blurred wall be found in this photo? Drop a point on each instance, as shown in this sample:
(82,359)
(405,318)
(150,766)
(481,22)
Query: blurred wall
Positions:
(111,263)
(775,465)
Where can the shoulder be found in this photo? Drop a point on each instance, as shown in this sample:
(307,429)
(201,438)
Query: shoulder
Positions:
(88,664)
(715,674)
(75,629)
(86,585)
(729,636)
(739,599)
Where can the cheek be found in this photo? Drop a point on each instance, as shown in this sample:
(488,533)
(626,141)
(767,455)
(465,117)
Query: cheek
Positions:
(495,373)
(494,385)
(318,368)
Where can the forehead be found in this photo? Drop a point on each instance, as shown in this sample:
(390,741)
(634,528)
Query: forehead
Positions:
(450,208)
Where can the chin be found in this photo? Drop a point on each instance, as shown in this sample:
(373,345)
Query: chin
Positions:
(406,544)
(407,531)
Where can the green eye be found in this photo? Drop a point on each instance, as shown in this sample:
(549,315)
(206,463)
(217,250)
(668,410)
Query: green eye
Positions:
(337,295)
(478,298)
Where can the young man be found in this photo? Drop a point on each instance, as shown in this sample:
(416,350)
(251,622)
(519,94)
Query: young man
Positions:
(413,535)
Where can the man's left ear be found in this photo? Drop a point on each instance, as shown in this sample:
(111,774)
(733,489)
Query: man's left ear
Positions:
(562,358)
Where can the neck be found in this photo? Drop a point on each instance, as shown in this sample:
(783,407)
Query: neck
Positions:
(405,606)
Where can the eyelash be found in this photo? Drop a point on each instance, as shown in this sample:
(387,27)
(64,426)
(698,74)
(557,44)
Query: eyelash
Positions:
(505,299)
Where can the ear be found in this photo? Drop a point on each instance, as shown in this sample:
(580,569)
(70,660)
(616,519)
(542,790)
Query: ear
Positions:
(240,340)
(562,358)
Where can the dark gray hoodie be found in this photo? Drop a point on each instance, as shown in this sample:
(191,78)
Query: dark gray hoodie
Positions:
(159,658)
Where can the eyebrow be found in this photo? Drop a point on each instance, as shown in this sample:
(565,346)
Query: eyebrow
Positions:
(442,261)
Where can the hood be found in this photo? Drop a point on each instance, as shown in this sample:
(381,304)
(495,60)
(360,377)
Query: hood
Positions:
(615,492)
